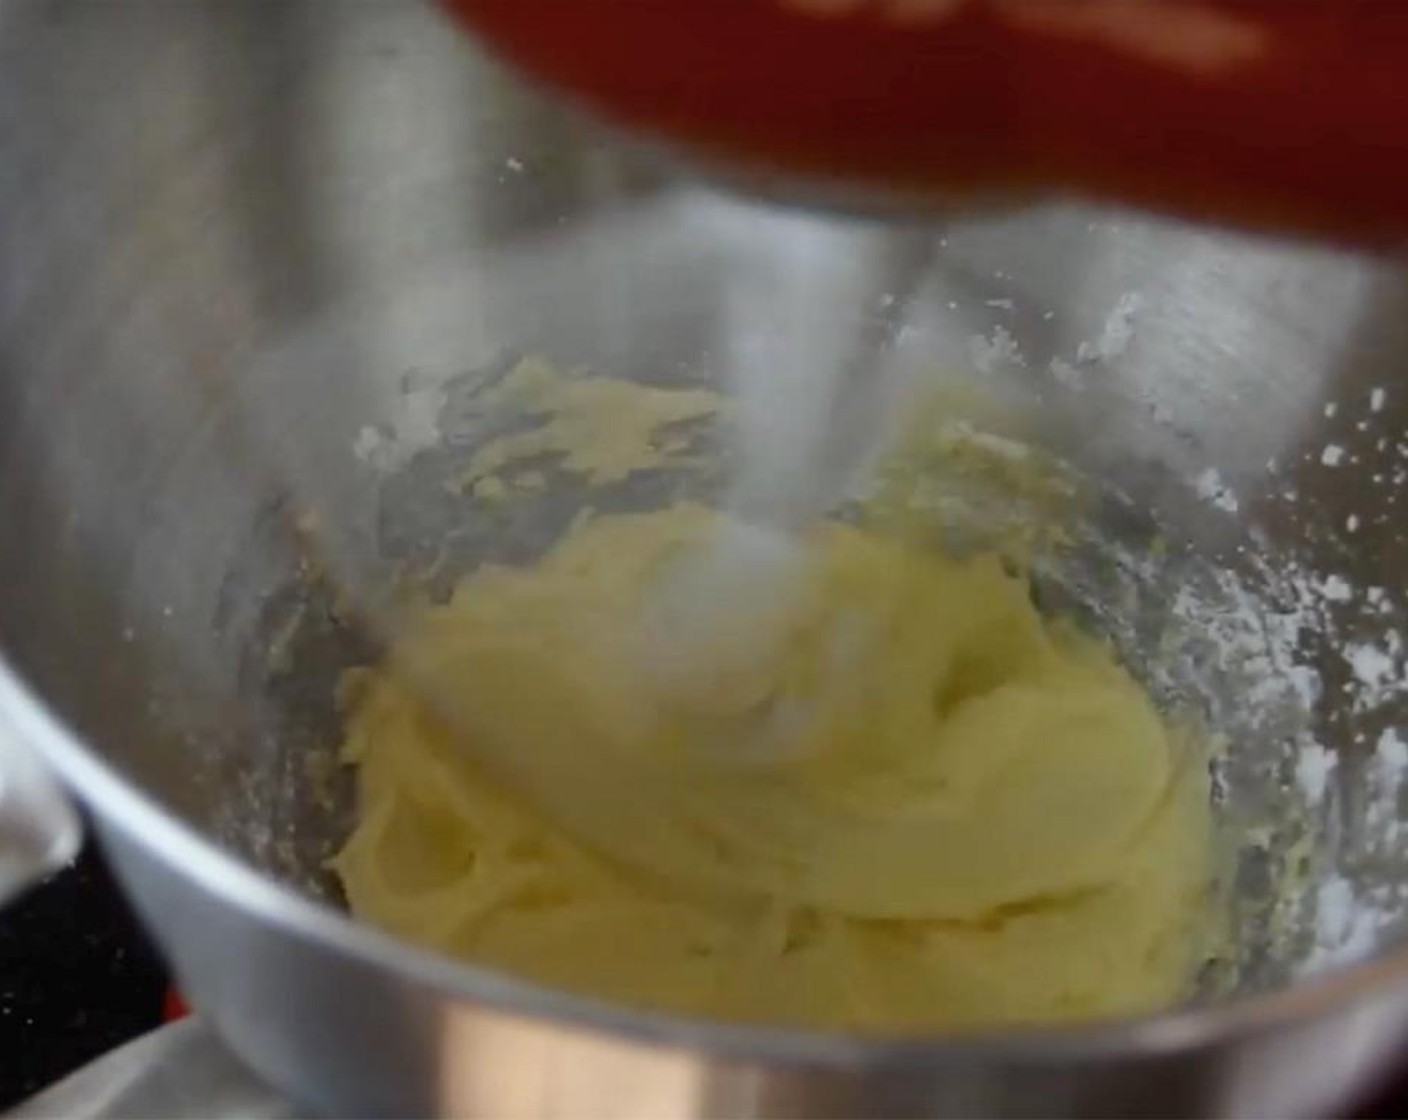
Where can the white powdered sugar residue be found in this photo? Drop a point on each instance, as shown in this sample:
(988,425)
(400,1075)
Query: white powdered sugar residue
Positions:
(369,444)
(1347,925)
(990,353)
(1356,908)
(1114,339)
(414,426)
(1116,334)
(1377,669)
(1382,820)
(1305,680)
(1260,629)
(1313,769)
(1212,489)
(1335,589)
(1391,759)
(1066,375)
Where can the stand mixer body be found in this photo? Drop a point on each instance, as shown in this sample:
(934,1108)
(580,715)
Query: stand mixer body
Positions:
(1257,111)
(234,238)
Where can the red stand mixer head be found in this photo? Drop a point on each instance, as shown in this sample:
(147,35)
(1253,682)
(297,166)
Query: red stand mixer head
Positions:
(1260,111)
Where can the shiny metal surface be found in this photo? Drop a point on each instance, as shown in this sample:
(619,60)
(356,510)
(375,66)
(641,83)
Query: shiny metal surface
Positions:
(235,237)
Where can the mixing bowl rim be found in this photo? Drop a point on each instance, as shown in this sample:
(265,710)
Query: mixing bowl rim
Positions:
(219,873)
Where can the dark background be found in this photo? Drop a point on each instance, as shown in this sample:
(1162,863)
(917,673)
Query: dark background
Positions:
(78,977)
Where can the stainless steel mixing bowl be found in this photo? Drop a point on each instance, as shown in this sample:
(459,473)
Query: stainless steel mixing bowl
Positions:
(253,256)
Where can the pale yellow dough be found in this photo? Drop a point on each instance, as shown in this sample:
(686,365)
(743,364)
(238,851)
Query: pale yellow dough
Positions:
(908,802)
